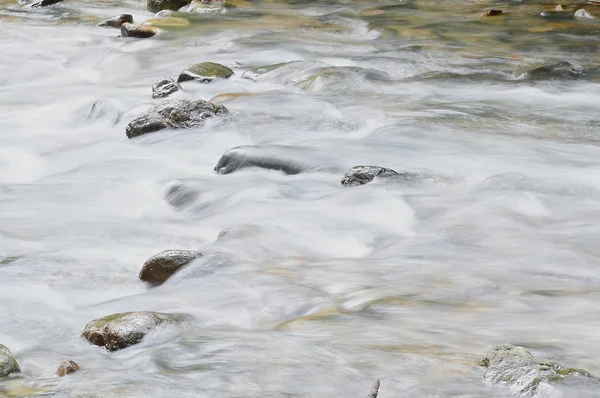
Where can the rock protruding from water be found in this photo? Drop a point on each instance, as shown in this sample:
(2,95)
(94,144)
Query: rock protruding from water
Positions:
(205,72)
(67,367)
(116,22)
(158,5)
(583,14)
(524,373)
(174,114)
(119,331)
(360,175)
(165,87)
(557,15)
(44,3)
(8,364)
(492,13)
(138,31)
(374,390)
(180,195)
(158,268)
(559,70)
(272,157)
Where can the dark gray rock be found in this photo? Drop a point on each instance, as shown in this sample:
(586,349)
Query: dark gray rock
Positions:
(158,5)
(164,88)
(205,72)
(158,268)
(122,330)
(179,114)
(45,3)
(67,367)
(559,70)
(180,195)
(520,370)
(116,22)
(555,15)
(138,31)
(8,364)
(360,175)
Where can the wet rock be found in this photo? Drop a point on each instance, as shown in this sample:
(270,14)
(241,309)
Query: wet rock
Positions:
(122,330)
(492,13)
(203,7)
(179,195)
(158,5)
(158,268)
(360,175)
(178,114)
(8,364)
(583,14)
(45,3)
(139,31)
(559,70)
(67,367)
(205,72)
(168,23)
(116,22)
(555,15)
(164,88)
(524,373)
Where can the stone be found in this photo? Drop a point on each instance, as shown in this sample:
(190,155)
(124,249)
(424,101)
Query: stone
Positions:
(8,364)
(139,31)
(168,23)
(45,3)
(520,370)
(583,14)
(165,87)
(158,5)
(205,72)
(118,331)
(158,268)
(360,175)
(180,195)
(555,15)
(67,367)
(492,13)
(559,70)
(272,157)
(174,114)
(116,22)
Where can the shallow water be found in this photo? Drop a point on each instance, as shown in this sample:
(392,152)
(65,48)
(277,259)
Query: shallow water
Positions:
(313,289)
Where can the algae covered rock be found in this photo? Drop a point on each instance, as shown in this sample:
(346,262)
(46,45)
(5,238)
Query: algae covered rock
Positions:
(164,87)
(67,367)
(158,5)
(122,330)
(139,31)
(116,22)
(205,72)
(178,114)
(520,370)
(8,364)
(360,175)
(158,268)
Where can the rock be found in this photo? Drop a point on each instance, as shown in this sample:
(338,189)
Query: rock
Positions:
(118,331)
(524,373)
(45,3)
(139,31)
(555,15)
(178,114)
(492,13)
(375,389)
(559,70)
(116,22)
(158,268)
(360,175)
(203,7)
(559,7)
(158,5)
(168,23)
(67,367)
(205,72)
(179,195)
(8,364)
(583,14)
(164,88)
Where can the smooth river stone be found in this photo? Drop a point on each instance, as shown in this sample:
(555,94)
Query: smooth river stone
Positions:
(158,268)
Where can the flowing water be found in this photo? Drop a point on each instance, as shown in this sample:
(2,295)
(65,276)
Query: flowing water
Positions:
(307,288)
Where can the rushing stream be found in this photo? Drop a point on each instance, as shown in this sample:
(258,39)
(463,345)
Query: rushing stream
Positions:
(306,288)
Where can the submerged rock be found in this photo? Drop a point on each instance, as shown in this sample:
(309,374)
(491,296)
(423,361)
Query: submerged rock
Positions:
(67,367)
(583,14)
(45,3)
(360,175)
(116,22)
(118,331)
(139,31)
(168,23)
(158,268)
(519,369)
(164,88)
(8,364)
(179,195)
(559,70)
(158,5)
(205,72)
(556,15)
(178,114)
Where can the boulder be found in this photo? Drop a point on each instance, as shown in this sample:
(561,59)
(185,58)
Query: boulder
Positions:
(165,87)
(205,72)
(360,175)
(158,268)
(67,367)
(45,3)
(178,114)
(158,5)
(116,22)
(520,370)
(559,70)
(139,31)
(8,364)
(122,330)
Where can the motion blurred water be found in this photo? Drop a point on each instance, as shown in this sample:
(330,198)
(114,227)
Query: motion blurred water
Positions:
(307,289)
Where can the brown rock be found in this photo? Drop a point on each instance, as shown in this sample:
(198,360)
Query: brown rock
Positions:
(139,31)
(116,22)
(158,268)
(492,13)
(67,367)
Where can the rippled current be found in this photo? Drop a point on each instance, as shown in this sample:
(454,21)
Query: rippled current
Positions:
(307,288)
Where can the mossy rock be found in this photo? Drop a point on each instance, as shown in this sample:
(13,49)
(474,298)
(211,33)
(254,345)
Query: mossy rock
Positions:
(8,364)
(205,72)
(158,268)
(158,5)
(168,23)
